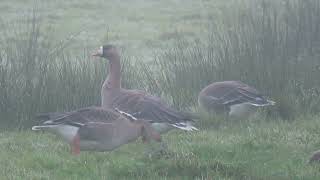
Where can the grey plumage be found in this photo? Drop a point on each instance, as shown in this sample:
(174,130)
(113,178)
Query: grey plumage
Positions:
(137,102)
(97,129)
(231,97)
(142,105)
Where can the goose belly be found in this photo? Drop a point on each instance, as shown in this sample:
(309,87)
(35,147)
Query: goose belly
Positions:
(107,144)
(67,132)
(107,139)
(243,110)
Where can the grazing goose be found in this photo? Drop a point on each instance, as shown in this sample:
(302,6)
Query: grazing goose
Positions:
(233,98)
(315,157)
(98,129)
(137,102)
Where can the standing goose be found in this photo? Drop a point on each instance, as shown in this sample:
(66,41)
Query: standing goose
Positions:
(136,102)
(233,98)
(98,129)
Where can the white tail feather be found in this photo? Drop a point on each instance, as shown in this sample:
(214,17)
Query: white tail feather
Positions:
(271,102)
(258,105)
(185,126)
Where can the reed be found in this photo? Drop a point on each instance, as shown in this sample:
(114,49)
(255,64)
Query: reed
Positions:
(272,45)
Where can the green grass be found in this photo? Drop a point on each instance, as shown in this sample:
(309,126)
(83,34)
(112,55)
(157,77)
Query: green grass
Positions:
(270,45)
(135,24)
(254,149)
(171,48)
(45,47)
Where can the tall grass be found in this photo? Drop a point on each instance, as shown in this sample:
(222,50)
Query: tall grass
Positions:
(272,45)
(39,74)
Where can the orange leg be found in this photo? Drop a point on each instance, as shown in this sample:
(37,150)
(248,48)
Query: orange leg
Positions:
(75,145)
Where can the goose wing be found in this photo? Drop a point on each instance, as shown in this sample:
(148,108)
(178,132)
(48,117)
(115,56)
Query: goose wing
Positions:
(235,92)
(84,116)
(144,106)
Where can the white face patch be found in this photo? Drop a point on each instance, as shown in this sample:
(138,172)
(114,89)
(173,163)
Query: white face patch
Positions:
(100,51)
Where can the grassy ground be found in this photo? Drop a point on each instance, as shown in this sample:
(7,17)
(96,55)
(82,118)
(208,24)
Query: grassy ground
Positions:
(253,149)
(138,25)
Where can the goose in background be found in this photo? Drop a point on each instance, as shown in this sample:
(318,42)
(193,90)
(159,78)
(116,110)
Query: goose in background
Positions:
(232,98)
(137,102)
(315,157)
(97,129)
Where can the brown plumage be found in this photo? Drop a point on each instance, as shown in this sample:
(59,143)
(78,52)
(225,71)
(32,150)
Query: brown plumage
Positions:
(98,129)
(231,97)
(137,102)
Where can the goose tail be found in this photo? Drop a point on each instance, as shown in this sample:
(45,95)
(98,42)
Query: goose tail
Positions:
(266,102)
(187,126)
(271,102)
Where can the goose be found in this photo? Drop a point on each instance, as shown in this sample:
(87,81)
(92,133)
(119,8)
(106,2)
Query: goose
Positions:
(233,98)
(136,102)
(97,129)
(315,157)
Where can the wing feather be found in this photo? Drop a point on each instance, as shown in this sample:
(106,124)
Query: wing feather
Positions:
(144,106)
(83,116)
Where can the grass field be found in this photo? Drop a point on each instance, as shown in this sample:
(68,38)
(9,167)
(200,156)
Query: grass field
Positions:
(273,45)
(139,26)
(253,149)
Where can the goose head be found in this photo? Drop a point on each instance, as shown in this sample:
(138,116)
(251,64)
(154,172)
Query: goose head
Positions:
(108,51)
